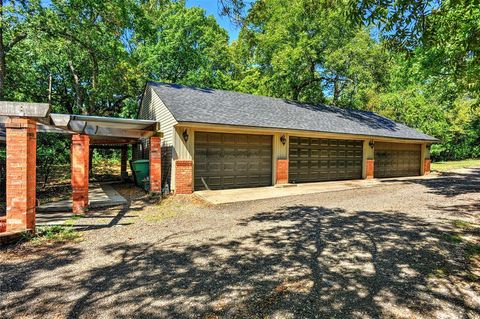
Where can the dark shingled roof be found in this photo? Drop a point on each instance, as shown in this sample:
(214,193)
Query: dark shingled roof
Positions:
(190,104)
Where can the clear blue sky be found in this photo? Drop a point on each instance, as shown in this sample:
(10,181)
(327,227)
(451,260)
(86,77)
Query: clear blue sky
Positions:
(211,7)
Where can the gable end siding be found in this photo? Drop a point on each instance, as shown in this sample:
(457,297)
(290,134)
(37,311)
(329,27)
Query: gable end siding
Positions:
(153,108)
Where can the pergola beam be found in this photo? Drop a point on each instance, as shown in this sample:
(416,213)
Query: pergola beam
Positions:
(22,109)
(95,126)
(105,141)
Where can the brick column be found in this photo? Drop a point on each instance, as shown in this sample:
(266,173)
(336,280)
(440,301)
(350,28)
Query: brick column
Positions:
(426,166)
(80,167)
(21,173)
(3,224)
(123,163)
(155,165)
(282,171)
(370,168)
(183,177)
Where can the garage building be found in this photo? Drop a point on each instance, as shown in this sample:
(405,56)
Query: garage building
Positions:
(216,139)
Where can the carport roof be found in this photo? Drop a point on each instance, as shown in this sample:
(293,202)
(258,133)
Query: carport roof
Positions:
(198,105)
(102,130)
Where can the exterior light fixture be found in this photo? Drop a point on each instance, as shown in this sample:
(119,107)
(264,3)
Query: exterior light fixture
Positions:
(371,144)
(283,139)
(185,135)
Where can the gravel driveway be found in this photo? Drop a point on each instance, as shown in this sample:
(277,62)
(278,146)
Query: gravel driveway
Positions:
(400,250)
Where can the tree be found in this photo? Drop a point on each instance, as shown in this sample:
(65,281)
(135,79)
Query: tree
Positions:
(15,18)
(445,33)
(307,51)
(183,46)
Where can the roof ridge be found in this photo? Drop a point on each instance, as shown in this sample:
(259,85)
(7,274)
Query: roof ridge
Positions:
(156,83)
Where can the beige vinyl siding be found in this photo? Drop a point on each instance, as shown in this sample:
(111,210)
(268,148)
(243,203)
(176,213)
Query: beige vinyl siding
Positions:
(183,150)
(153,108)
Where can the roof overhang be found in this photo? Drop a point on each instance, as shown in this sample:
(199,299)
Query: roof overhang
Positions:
(321,134)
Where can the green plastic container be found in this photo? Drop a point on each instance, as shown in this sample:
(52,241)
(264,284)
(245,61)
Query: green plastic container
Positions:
(141,170)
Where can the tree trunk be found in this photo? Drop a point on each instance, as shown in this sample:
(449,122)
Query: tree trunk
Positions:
(78,88)
(336,90)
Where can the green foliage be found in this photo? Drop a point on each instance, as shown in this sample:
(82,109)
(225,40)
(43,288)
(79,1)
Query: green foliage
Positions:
(56,233)
(415,62)
(453,238)
(307,51)
(184,46)
(53,149)
(451,165)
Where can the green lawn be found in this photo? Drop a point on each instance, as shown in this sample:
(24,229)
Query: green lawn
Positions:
(451,165)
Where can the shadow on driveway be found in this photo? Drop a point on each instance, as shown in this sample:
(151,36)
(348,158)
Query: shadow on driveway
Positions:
(298,261)
(449,184)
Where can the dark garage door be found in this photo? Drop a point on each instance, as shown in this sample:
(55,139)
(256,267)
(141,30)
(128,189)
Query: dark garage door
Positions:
(314,159)
(225,161)
(394,160)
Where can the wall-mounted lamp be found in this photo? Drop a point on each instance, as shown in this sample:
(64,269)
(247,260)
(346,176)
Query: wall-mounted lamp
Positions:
(371,144)
(283,139)
(185,135)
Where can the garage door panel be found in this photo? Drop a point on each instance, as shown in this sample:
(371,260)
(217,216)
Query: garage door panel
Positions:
(394,160)
(225,160)
(313,159)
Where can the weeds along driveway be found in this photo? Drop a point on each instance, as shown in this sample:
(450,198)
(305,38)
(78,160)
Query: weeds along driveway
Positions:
(396,251)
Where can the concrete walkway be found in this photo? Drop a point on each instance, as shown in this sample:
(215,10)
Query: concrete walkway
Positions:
(226,196)
(100,195)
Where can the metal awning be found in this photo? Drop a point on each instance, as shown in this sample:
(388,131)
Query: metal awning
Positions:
(101,129)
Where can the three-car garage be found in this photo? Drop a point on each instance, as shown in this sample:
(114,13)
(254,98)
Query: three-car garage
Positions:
(224,140)
(229,160)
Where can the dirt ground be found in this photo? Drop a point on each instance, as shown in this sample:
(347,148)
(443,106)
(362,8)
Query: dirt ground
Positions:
(399,250)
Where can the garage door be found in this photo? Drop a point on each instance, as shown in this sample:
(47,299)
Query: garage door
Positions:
(394,160)
(314,159)
(225,161)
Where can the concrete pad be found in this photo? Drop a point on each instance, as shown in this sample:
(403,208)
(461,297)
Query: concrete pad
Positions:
(250,194)
(100,195)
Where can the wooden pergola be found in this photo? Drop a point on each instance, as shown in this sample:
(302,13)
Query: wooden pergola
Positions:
(19,124)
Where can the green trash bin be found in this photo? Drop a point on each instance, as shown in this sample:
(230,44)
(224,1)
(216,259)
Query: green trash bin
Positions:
(141,171)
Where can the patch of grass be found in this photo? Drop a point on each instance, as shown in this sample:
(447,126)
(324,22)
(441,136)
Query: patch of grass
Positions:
(463,224)
(472,250)
(438,273)
(451,165)
(467,228)
(452,238)
(160,216)
(77,217)
(56,233)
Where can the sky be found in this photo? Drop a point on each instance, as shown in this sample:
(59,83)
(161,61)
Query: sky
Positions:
(211,7)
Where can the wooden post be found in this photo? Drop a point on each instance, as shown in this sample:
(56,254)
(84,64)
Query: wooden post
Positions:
(123,164)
